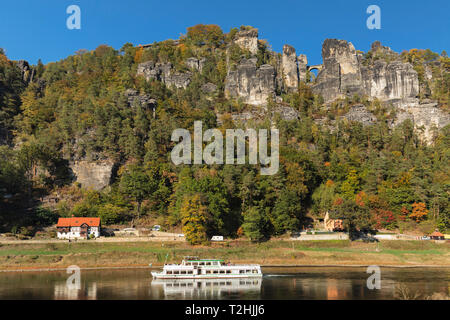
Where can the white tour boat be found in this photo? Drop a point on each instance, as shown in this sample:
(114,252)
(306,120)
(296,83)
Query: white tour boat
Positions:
(195,268)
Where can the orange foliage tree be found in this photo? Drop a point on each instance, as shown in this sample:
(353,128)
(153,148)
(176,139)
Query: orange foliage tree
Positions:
(419,211)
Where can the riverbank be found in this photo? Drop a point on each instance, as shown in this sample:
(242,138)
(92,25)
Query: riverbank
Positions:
(91,254)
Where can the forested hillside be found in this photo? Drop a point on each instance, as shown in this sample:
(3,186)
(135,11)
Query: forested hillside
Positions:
(102,106)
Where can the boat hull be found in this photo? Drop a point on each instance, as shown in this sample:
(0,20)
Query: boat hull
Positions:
(158,275)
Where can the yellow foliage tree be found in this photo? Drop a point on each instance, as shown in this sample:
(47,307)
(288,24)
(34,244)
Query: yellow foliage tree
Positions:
(194,218)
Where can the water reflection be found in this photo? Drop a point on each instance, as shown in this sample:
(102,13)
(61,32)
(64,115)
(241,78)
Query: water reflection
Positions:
(206,288)
(64,292)
(277,283)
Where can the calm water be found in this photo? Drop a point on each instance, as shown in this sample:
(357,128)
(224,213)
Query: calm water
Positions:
(277,283)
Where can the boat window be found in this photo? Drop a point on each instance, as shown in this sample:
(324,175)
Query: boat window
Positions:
(228,271)
(222,271)
(169,272)
(176,272)
(183,272)
(255,271)
(216,271)
(208,263)
(189,272)
(241,271)
(201,263)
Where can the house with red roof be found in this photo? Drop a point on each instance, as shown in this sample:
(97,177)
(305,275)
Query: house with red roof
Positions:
(437,236)
(78,228)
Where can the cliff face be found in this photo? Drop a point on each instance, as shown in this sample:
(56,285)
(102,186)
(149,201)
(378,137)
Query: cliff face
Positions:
(289,66)
(390,82)
(164,72)
(93,175)
(343,74)
(253,85)
(248,39)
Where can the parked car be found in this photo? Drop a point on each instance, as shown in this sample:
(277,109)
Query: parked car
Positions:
(295,234)
(217,238)
(368,238)
(156,228)
(425,238)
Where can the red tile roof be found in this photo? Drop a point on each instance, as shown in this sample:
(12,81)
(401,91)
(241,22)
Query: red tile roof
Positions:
(78,221)
(436,234)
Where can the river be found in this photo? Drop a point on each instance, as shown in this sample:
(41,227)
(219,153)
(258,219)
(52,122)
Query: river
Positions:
(277,283)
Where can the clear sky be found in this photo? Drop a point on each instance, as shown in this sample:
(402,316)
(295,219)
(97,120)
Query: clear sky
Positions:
(31,29)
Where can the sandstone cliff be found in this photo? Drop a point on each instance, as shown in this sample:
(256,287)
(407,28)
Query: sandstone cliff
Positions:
(93,175)
(253,85)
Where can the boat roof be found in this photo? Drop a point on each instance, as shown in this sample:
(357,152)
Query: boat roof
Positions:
(196,259)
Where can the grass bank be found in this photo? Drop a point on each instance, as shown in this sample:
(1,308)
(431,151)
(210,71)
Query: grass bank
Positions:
(93,254)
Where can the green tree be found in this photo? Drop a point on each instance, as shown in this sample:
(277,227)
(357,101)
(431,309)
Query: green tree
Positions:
(138,185)
(256,224)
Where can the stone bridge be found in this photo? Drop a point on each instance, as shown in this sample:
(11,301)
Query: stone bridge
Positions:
(317,67)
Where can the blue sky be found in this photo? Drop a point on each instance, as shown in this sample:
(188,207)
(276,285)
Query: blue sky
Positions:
(31,29)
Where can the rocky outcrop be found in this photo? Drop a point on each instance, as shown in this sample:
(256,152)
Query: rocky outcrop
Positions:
(93,175)
(260,114)
(164,72)
(302,62)
(209,88)
(195,64)
(343,74)
(289,67)
(359,113)
(253,85)
(144,100)
(392,82)
(26,70)
(247,39)
(427,118)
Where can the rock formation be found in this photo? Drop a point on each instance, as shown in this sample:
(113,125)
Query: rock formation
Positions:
(359,113)
(343,74)
(195,64)
(427,118)
(393,82)
(164,72)
(26,70)
(247,39)
(253,85)
(93,175)
(289,68)
(302,62)
(144,100)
